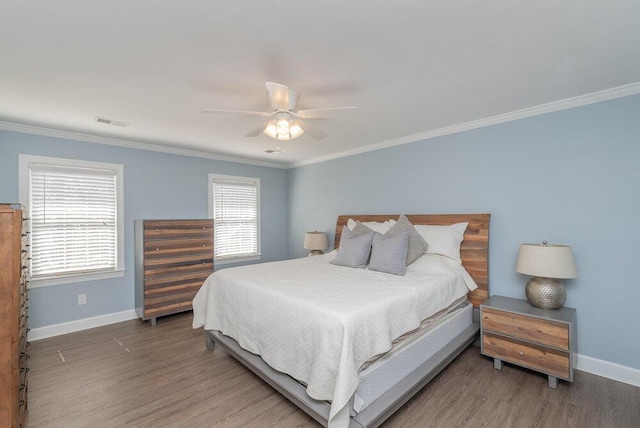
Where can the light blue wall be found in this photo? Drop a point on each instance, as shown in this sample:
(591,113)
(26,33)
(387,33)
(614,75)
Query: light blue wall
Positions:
(569,177)
(156,185)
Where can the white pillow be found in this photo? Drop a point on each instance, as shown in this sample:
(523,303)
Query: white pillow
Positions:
(373,225)
(443,240)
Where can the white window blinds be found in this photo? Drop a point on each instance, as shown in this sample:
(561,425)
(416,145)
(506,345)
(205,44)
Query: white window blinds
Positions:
(235,217)
(73,220)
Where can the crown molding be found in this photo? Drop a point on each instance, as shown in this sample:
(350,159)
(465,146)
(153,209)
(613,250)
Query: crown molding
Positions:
(568,103)
(88,138)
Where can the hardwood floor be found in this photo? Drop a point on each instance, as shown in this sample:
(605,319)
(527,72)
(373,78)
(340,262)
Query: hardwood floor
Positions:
(133,375)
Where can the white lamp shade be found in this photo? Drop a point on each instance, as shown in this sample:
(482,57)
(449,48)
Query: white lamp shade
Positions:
(316,241)
(296,130)
(271,130)
(545,260)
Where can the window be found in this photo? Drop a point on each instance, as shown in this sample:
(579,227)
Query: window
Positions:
(234,205)
(76,213)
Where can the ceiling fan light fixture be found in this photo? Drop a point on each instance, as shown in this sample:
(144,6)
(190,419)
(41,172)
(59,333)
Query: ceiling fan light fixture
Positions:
(283,129)
(296,130)
(271,130)
(283,126)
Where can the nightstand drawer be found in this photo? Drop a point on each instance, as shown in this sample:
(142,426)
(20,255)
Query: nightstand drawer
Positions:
(531,329)
(543,359)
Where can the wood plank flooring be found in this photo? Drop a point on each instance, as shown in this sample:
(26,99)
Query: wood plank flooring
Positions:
(133,375)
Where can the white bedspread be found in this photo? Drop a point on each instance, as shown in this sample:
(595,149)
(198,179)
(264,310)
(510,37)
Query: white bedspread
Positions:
(319,322)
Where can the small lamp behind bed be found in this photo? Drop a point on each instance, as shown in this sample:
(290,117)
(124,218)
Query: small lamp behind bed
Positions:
(316,242)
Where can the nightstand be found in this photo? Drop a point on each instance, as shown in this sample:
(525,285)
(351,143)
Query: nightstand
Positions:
(543,340)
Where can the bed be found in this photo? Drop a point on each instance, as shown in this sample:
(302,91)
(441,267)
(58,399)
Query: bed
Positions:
(317,325)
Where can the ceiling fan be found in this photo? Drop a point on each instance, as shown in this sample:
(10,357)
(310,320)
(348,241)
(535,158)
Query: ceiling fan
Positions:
(285,121)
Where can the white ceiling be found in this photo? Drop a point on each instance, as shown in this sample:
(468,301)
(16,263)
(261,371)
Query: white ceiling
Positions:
(411,67)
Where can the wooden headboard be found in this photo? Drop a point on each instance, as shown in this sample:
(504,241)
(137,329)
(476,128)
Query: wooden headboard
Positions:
(474,249)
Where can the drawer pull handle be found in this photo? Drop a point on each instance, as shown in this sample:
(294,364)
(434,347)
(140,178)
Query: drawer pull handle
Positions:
(22,386)
(203,245)
(520,327)
(157,249)
(21,403)
(521,353)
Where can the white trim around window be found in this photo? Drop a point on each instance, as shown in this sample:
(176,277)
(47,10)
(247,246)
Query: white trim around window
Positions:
(235,180)
(30,166)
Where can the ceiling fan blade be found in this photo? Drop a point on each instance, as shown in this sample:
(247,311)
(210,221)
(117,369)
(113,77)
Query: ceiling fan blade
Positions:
(312,132)
(312,113)
(256,131)
(252,113)
(281,97)
(293,100)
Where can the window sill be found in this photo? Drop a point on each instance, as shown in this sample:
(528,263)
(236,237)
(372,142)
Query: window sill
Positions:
(238,259)
(70,279)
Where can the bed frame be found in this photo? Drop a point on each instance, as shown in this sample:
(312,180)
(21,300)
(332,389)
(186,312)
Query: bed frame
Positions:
(474,252)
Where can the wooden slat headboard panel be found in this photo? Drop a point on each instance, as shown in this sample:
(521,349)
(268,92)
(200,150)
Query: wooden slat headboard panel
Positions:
(474,249)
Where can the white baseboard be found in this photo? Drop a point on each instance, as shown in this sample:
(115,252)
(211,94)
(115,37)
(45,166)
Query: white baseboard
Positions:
(78,325)
(609,370)
(586,364)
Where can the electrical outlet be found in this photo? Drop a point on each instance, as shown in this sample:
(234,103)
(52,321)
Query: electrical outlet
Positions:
(82,299)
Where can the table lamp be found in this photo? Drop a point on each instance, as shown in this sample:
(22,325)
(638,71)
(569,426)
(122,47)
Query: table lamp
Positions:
(316,242)
(547,264)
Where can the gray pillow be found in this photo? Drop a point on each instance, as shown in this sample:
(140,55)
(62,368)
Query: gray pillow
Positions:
(389,254)
(353,250)
(360,229)
(417,244)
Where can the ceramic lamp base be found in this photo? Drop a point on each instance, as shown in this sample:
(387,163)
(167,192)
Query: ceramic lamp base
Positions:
(545,293)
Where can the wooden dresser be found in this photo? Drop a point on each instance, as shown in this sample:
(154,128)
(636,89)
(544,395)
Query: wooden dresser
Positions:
(173,258)
(14,273)
(540,339)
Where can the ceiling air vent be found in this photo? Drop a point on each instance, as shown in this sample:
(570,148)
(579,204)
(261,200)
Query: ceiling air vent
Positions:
(112,122)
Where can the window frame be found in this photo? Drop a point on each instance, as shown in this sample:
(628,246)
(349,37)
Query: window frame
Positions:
(24,193)
(256,182)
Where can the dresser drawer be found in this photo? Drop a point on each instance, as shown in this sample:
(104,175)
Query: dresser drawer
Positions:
(168,229)
(177,247)
(531,329)
(526,354)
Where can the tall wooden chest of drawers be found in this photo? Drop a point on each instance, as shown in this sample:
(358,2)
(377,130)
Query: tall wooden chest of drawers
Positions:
(14,241)
(173,258)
